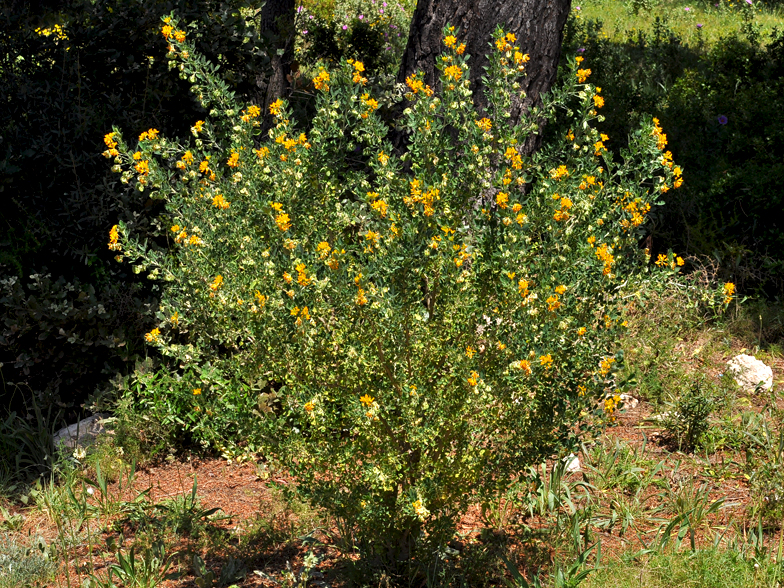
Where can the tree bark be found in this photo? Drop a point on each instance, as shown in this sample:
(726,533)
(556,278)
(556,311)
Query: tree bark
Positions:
(277,24)
(538,25)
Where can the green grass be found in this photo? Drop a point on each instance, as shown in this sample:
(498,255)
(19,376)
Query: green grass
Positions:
(710,568)
(619,18)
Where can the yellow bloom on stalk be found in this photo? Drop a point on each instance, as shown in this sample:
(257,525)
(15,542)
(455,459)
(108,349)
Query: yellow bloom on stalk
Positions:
(521,58)
(287,277)
(371,103)
(320,81)
(197,126)
(309,406)
(581,331)
(196,391)
(143,167)
(662,260)
(460,49)
(323,249)
(260,298)
(187,158)
(560,289)
(598,101)
(276,108)
(502,199)
(546,361)
(167,31)
(582,75)
(216,283)
(150,134)
(524,366)
(114,235)
(361,299)
(179,36)
(553,303)
(234,159)
(473,379)
(262,152)
(606,365)
(485,124)
(470,351)
(302,275)
(367,400)
(283,221)
(220,202)
(450,41)
(137,156)
(380,206)
(383,158)
(153,336)
(454,72)
(729,292)
(559,173)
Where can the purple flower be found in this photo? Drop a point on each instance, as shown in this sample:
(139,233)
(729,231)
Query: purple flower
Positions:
(300,9)
(392,26)
(310,17)
(722,119)
(361,16)
(748,2)
(381,11)
(305,32)
(345,27)
(687,9)
(699,25)
(581,50)
(385,4)
(577,8)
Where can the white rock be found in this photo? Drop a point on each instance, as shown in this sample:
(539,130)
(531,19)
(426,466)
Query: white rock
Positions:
(572,463)
(749,372)
(629,401)
(80,434)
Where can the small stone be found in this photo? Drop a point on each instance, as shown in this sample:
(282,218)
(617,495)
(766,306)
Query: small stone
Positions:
(81,434)
(572,463)
(629,401)
(750,373)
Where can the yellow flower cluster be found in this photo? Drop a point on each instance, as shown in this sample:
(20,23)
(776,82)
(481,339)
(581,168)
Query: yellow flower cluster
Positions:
(426,199)
(606,365)
(216,283)
(611,404)
(234,159)
(153,336)
(485,124)
(111,145)
(729,292)
(152,134)
(250,113)
(604,253)
(546,361)
(114,235)
(504,44)
(416,85)
(562,213)
(303,279)
(361,299)
(220,202)
(523,365)
(320,82)
(357,77)
(182,236)
(301,314)
(661,138)
(281,218)
(559,173)
(453,72)
(372,104)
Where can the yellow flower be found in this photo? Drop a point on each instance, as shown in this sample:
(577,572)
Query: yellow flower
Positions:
(143,167)
(502,199)
(153,336)
(470,351)
(196,391)
(582,75)
(179,36)
(546,361)
(367,400)
(361,299)
(460,49)
(553,303)
(320,81)
(380,206)
(598,101)
(234,159)
(450,41)
(220,202)
(581,331)
(523,365)
(454,72)
(283,221)
(114,235)
(473,379)
(309,406)
(216,283)
(276,108)
(729,292)
(606,365)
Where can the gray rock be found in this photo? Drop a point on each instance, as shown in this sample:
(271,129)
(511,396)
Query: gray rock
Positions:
(572,463)
(629,401)
(81,434)
(750,373)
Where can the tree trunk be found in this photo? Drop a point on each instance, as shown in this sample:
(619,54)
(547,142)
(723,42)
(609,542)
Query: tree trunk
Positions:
(277,24)
(538,25)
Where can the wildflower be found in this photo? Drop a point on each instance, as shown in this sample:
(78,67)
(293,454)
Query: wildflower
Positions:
(283,221)
(114,235)
(450,41)
(581,331)
(309,406)
(591,240)
(197,126)
(521,58)
(357,77)
(473,379)
(383,158)
(302,275)
(216,283)
(371,103)
(553,303)
(419,509)
(153,336)
(485,124)
(723,119)
(559,173)
(460,49)
(560,289)
(546,361)
(524,366)
(287,277)
(380,206)
(502,199)
(582,75)
(679,261)
(500,346)
(260,298)
(470,351)
(196,391)
(220,202)
(367,400)
(179,36)
(606,365)
(234,159)
(361,299)
(320,81)
(729,292)
(604,253)
(454,72)
(662,260)
(167,31)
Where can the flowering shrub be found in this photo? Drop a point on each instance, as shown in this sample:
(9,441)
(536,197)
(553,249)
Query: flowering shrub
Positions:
(434,322)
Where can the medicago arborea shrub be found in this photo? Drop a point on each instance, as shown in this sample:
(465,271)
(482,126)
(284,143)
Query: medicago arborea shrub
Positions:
(433,322)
